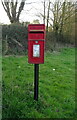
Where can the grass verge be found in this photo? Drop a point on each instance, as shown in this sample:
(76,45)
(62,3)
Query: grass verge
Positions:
(56,86)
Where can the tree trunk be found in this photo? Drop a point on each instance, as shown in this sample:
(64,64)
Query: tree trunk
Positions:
(44,13)
(48,15)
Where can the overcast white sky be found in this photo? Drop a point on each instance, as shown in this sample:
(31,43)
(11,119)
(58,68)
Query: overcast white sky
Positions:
(29,12)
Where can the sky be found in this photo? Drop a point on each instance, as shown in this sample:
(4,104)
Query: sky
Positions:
(29,13)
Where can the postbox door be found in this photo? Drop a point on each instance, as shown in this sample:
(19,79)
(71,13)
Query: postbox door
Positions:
(36,52)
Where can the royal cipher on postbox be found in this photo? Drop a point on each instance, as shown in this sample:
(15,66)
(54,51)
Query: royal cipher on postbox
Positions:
(36,43)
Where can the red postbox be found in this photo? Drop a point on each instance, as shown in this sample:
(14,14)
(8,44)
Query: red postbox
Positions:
(36,43)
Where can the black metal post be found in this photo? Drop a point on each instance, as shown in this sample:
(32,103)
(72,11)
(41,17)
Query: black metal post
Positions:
(36,81)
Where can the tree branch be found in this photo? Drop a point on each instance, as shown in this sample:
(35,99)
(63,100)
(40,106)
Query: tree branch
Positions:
(17,42)
(6,8)
(3,6)
(20,9)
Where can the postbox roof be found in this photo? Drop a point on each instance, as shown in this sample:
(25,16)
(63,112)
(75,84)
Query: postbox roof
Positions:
(36,27)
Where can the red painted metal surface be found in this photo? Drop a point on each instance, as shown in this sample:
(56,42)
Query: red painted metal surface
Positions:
(36,32)
(40,27)
(36,36)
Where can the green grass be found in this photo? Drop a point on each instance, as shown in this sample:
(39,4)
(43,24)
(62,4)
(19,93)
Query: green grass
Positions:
(56,87)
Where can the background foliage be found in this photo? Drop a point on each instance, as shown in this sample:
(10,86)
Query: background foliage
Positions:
(14,39)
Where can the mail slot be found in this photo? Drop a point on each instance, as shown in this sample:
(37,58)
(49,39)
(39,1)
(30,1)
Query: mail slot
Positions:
(36,43)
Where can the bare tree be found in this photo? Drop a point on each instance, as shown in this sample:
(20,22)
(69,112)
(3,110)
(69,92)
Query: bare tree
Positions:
(12,10)
(44,13)
(48,14)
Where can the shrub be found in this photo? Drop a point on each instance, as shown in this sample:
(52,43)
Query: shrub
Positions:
(14,39)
